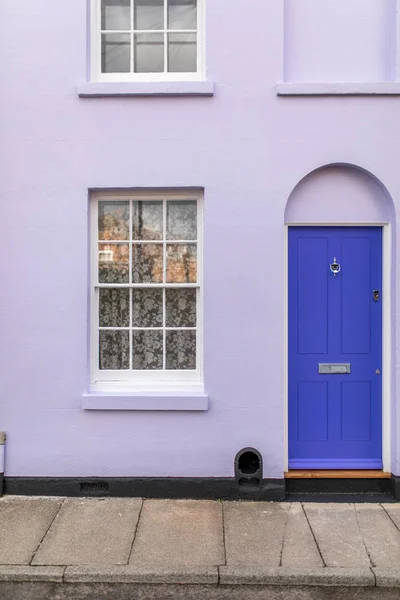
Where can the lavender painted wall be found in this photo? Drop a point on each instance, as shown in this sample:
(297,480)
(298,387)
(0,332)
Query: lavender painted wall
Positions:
(246,147)
(339,40)
(341,192)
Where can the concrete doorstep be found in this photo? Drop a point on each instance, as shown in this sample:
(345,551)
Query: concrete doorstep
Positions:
(61,549)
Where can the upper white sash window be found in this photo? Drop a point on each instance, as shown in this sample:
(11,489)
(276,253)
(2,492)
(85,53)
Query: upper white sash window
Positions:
(147,40)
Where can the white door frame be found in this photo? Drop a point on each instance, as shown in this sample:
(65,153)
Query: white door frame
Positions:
(386,334)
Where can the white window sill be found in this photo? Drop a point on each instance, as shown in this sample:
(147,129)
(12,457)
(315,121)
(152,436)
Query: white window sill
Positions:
(178,401)
(145,88)
(380,88)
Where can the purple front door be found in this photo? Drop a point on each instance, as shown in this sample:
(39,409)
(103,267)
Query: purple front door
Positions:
(335,348)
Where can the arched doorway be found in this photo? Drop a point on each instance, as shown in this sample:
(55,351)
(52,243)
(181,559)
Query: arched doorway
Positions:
(338,378)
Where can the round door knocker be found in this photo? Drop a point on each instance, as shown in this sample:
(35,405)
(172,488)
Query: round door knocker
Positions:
(335,267)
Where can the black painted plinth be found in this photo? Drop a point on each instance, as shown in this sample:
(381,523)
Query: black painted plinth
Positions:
(340,490)
(395,481)
(224,488)
(148,487)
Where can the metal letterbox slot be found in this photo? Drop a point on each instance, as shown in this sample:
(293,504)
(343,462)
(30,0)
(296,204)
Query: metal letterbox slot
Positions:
(333,368)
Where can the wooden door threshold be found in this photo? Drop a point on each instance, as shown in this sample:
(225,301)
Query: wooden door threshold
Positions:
(318,474)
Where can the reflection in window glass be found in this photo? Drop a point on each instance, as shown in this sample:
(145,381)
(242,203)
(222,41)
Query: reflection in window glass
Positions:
(115,53)
(113,220)
(182,14)
(113,263)
(149,53)
(182,53)
(181,220)
(149,14)
(147,220)
(147,263)
(181,263)
(115,14)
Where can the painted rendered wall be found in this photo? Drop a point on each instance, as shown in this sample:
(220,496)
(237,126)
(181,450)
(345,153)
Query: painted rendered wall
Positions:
(339,40)
(245,146)
(338,193)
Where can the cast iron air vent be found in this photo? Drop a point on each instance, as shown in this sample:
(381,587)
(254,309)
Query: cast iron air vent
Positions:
(94,488)
(248,468)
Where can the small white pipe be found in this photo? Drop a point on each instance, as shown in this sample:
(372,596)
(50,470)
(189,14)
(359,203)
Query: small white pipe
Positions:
(2,447)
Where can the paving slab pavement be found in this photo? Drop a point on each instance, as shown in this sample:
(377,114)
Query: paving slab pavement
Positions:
(254,532)
(179,532)
(381,537)
(393,510)
(95,531)
(299,547)
(337,534)
(23,524)
(64,548)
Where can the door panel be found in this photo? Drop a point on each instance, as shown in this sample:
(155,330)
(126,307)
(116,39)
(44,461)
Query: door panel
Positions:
(312,322)
(356,296)
(335,420)
(356,411)
(312,399)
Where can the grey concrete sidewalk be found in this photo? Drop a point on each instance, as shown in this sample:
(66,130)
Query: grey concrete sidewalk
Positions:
(64,541)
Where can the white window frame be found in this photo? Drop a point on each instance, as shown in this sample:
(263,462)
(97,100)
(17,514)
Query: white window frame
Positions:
(146,380)
(98,76)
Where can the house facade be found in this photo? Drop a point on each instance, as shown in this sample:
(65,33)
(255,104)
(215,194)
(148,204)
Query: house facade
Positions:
(199,235)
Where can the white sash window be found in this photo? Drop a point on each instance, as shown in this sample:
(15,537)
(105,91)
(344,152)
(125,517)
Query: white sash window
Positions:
(147,40)
(146,290)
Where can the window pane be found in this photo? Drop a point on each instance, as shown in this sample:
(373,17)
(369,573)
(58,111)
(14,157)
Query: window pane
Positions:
(149,14)
(147,350)
(182,220)
(113,220)
(181,263)
(181,350)
(147,220)
(147,308)
(115,53)
(182,53)
(114,308)
(116,14)
(114,350)
(149,53)
(147,263)
(180,308)
(113,263)
(182,14)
